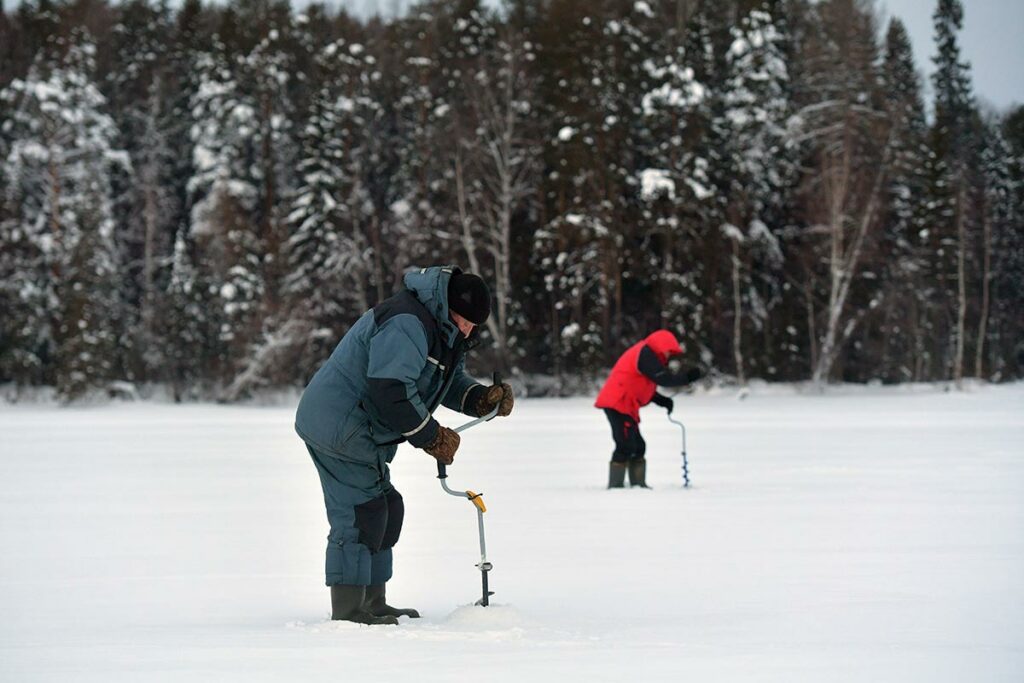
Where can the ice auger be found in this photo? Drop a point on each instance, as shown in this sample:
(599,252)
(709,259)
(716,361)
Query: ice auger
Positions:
(686,469)
(478,502)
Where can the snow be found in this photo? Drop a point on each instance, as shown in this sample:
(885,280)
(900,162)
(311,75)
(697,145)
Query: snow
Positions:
(860,534)
(33,150)
(565,133)
(655,182)
(699,191)
(732,232)
(643,8)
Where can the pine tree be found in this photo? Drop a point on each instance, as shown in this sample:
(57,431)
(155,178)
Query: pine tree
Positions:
(141,97)
(903,348)
(331,250)
(1008,266)
(677,192)
(61,155)
(954,127)
(1001,235)
(760,159)
(225,203)
(420,204)
(186,324)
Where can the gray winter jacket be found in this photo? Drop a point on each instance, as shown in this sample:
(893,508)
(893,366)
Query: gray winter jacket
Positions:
(399,361)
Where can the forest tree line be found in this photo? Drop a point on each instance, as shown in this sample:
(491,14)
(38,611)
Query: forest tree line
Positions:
(207,196)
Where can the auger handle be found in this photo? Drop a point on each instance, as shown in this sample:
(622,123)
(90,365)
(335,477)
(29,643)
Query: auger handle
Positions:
(442,472)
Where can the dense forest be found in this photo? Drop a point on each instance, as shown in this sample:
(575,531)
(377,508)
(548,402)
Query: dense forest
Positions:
(204,197)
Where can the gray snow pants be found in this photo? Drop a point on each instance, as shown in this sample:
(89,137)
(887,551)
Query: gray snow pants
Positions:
(365,513)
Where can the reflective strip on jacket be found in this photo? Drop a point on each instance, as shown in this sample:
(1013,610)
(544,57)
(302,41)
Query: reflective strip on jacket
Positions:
(388,374)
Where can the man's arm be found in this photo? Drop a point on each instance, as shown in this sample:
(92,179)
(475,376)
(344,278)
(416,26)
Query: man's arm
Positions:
(398,352)
(663,401)
(464,392)
(651,367)
(472,398)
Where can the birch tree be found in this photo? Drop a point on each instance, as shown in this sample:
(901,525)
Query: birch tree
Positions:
(496,173)
(851,148)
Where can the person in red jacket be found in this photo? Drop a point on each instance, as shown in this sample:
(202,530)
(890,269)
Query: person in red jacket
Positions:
(632,385)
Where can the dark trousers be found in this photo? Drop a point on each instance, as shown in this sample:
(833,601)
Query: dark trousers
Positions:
(629,445)
(365,513)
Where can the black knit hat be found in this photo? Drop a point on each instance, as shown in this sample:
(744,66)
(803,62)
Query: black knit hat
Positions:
(469,296)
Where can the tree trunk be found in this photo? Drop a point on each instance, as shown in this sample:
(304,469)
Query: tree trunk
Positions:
(985,276)
(378,265)
(737,314)
(151,216)
(961,287)
(844,270)
(812,331)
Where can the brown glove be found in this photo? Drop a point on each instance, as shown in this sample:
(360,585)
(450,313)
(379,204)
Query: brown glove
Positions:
(496,395)
(444,445)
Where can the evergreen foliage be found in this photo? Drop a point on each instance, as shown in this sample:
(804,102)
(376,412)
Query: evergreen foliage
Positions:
(208,195)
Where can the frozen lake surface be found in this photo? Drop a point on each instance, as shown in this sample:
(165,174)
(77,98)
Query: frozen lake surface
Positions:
(866,534)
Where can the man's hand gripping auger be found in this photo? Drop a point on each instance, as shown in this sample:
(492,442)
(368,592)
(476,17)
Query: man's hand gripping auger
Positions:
(477,500)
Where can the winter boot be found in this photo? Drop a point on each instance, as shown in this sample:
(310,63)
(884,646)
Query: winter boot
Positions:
(616,474)
(347,605)
(638,473)
(376,605)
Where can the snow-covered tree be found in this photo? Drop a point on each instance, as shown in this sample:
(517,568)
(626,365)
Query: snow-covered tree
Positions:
(569,251)
(1000,220)
(243,158)
(675,188)
(333,251)
(955,126)
(496,164)
(850,146)
(761,159)
(192,339)
(60,152)
(421,205)
(225,203)
(904,344)
(140,86)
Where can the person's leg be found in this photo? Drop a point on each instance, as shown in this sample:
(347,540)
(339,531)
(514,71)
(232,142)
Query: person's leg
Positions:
(617,466)
(357,512)
(381,562)
(637,462)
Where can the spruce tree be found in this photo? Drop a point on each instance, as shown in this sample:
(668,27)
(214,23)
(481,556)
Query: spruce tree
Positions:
(954,130)
(757,113)
(331,250)
(903,343)
(140,85)
(62,153)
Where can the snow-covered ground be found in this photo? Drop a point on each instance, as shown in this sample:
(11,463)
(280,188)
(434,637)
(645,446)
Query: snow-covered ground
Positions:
(862,535)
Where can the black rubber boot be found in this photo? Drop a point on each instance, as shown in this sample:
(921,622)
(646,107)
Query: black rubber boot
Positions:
(638,473)
(616,474)
(376,604)
(347,605)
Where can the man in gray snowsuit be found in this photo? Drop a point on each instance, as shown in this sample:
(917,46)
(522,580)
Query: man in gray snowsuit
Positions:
(391,370)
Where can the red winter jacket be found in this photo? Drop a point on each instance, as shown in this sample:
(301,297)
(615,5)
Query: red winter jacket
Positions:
(627,389)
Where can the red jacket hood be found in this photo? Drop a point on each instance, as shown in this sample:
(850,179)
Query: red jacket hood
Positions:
(663,343)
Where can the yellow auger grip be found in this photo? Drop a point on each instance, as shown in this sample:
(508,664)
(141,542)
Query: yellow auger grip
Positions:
(476,499)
